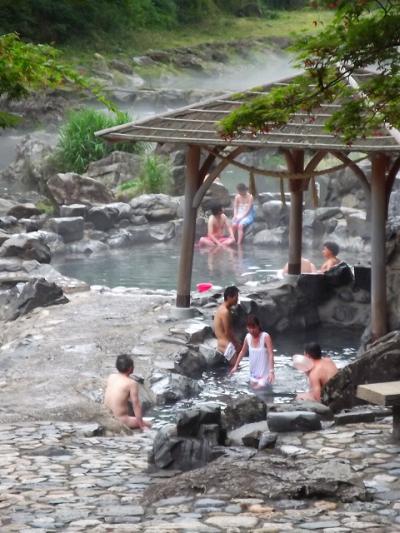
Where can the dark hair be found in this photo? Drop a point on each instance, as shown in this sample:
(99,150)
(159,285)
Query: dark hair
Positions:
(313,349)
(241,187)
(124,363)
(230,292)
(252,320)
(216,209)
(332,247)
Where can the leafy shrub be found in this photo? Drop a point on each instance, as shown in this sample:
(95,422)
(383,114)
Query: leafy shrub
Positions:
(155,176)
(46,207)
(77,145)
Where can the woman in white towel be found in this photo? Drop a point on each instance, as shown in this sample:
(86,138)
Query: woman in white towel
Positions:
(258,344)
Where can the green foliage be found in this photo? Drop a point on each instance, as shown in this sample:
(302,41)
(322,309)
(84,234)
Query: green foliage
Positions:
(155,177)
(25,67)
(363,33)
(78,146)
(46,207)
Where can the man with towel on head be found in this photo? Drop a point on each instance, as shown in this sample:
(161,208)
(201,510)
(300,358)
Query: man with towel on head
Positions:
(227,343)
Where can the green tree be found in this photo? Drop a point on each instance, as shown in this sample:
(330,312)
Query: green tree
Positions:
(26,67)
(363,33)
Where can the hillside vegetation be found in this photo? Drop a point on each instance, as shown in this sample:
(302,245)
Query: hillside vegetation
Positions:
(135,25)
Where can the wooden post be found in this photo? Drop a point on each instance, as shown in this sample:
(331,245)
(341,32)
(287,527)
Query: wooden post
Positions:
(295,164)
(189,227)
(396,423)
(378,246)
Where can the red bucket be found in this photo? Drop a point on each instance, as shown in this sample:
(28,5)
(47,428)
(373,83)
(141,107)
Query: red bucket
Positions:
(203,287)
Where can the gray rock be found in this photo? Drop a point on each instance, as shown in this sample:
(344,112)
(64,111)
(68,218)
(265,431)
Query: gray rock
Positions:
(70,228)
(26,246)
(293,421)
(36,293)
(23,211)
(190,363)
(73,210)
(267,440)
(72,188)
(244,410)
(172,388)
(103,217)
(155,207)
(381,362)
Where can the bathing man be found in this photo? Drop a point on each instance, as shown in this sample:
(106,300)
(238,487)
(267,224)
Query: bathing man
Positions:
(227,343)
(217,228)
(323,369)
(120,390)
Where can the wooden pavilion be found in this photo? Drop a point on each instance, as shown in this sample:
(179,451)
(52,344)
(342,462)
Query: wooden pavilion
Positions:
(304,144)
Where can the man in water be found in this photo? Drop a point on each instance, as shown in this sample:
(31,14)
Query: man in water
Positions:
(322,370)
(122,390)
(217,228)
(330,251)
(227,343)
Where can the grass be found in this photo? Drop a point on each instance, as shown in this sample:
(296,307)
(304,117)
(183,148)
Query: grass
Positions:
(222,29)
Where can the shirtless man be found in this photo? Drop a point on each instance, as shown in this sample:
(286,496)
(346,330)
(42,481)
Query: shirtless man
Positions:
(120,390)
(322,371)
(228,345)
(218,226)
(330,251)
(306,267)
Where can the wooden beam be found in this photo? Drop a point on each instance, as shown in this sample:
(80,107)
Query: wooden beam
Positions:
(295,163)
(189,227)
(378,246)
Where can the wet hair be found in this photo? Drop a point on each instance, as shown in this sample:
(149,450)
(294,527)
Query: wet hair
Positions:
(241,187)
(332,247)
(252,321)
(216,209)
(313,349)
(230,292)
(124,363)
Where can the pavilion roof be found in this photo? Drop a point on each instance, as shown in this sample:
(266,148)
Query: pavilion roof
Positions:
(198,124)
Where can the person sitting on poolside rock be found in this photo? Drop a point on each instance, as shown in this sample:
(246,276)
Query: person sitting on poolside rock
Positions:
(218,227)
(321,370)
(122,390)
(330,251)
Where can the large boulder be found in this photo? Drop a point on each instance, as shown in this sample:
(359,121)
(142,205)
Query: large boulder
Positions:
(103,217)
(26,246)
(217,193)
(172,387)
(381,362)
(36,293)
(244,410)
(70,228)
(23,211)
(115,168)
(71,188)
(155,207)
(30,167)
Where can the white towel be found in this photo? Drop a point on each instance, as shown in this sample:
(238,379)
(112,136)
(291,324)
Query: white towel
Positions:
(229,352)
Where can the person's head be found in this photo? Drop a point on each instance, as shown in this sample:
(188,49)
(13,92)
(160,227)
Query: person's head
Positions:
(216,209)
(253,325)
(330,249)
(124,364)
(242,188)
(231,295)
(313,350)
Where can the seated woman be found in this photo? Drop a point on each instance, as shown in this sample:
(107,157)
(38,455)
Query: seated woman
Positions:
(243,211)
(330,251)
(218,226)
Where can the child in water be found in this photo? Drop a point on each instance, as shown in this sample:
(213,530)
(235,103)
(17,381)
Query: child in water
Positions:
(243,211)
(261,356)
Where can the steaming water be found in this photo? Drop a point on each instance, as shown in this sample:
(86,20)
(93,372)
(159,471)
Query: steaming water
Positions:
(259,68)
(156,266)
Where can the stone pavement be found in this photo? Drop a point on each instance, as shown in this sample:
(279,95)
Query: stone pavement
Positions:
(62,477)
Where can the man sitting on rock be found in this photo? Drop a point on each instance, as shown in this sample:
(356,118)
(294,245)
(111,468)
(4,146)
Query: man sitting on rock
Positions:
(321,371)
(121,391)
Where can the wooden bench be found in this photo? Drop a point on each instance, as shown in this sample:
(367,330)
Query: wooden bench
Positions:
(387,394)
